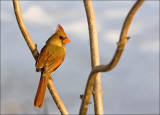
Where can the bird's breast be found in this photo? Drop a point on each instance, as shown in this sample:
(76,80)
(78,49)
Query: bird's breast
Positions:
(56,51)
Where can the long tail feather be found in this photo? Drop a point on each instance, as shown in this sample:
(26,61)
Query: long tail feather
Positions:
(40,95)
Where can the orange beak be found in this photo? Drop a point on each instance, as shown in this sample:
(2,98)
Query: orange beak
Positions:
(66,40)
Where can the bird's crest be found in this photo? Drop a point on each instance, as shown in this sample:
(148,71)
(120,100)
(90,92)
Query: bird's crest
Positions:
(60,30)
(59,27)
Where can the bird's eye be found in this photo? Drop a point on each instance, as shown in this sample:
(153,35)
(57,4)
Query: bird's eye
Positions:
(60,37)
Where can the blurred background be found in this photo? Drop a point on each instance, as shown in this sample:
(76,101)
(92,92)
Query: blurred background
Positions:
(132,87)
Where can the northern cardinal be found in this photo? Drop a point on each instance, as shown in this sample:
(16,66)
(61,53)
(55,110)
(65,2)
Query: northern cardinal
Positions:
(49,59)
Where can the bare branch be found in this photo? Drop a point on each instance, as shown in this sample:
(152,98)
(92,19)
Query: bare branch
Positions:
(56,98)
(35,53)
(97,90)
(23,29)
(114,61)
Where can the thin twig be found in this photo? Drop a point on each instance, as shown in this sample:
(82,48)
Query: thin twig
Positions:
(97,89)
(114,61)
(35,53)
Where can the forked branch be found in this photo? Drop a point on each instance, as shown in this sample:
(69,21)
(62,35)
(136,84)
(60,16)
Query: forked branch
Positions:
(105,68)
(35,53)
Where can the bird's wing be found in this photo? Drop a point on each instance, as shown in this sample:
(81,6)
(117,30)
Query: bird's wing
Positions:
(42,58)
(53,63)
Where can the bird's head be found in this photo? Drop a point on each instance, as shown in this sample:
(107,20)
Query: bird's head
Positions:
(59,37)
(62,35)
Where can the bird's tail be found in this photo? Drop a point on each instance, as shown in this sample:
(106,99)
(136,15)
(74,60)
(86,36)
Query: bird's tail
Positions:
(40,95)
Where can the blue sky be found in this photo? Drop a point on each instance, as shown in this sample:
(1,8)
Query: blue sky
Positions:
(131,88)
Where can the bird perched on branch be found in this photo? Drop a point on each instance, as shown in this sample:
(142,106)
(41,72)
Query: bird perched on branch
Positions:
(49,59)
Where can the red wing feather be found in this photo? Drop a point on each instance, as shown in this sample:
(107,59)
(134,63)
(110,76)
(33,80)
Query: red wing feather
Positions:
(42,58)
(53,63)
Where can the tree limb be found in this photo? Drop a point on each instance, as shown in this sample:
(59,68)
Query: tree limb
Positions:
(35,53)
(104,68)
(97,89)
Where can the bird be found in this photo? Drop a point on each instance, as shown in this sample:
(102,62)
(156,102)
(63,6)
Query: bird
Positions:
(50,58)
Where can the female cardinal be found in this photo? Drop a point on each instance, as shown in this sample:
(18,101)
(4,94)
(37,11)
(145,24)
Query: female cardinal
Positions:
(50,58)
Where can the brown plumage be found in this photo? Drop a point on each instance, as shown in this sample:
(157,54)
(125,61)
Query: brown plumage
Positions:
(49,59)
